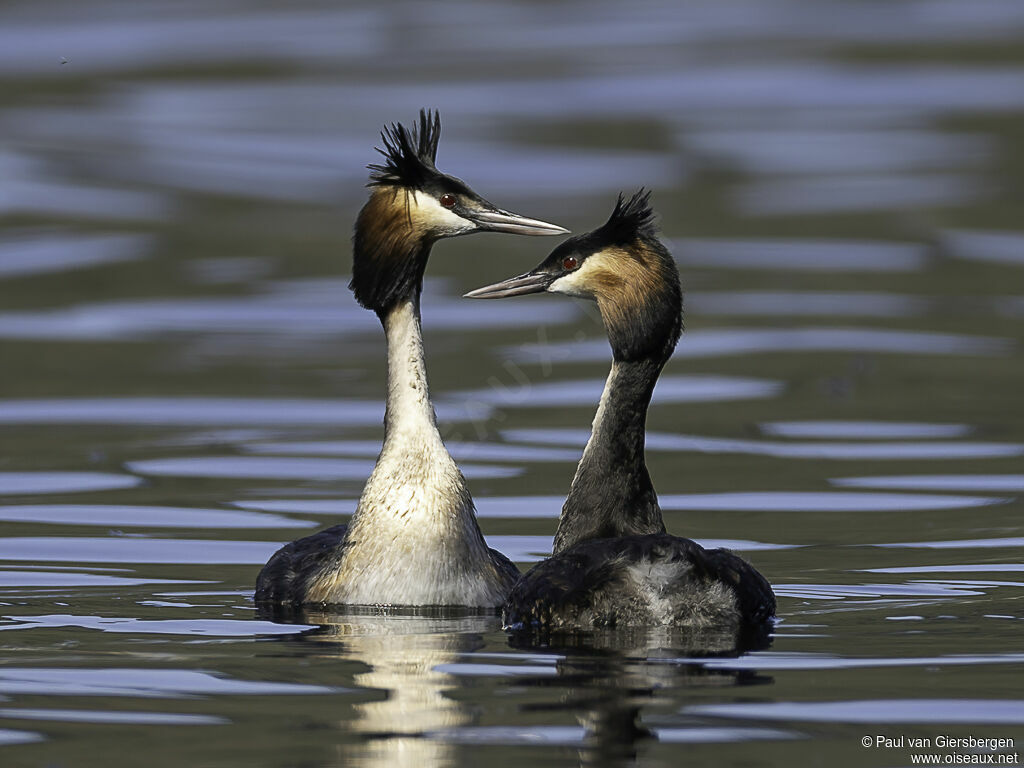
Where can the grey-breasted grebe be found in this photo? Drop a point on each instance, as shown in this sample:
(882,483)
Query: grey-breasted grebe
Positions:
(613,563)
(414,538)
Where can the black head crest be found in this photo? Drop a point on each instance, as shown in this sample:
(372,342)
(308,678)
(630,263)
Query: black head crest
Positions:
(636,281)
(631,219)
(409,155)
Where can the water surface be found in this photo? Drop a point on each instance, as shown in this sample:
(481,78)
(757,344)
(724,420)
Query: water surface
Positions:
(186,382)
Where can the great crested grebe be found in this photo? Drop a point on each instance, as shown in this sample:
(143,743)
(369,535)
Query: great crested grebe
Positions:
(414,538)
(613,564)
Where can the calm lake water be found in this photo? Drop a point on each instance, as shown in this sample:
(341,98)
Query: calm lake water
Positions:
(186,382)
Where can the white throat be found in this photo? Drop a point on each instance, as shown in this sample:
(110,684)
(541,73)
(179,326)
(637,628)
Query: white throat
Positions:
(409,415)
(415,476)
(414,539)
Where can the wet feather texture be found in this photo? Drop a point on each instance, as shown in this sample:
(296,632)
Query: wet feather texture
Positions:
(633,581)
(613,562)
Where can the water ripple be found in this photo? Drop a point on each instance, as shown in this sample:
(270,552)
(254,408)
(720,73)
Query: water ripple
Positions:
(837,151)
(996,483)
(979,568)
(246,467)
(110,716)
(512,507)
(302,506)
(864,430)
(16,483)
(807,304)
(996,247)
(866,591)
(884,711)
(800,255)
(814,661)
(857,192)
(199,627)
(709,735)
(38,253)
(729,342)
(83,549)
(890,451)
(461,450)
(820,501)
(692,388)
(134,516)
(32,188)
(148,683)
(28,578)
(995,543)
(201,411)
(8,736)
(276,313)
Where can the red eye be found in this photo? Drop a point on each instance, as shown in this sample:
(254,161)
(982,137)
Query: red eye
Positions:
(569,263)
(448,200)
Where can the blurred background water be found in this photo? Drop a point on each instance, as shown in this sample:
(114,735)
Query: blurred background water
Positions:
(185,381)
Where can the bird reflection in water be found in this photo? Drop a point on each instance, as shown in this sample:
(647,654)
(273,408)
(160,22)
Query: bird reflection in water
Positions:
(606,678)
(611,676)
(403,650)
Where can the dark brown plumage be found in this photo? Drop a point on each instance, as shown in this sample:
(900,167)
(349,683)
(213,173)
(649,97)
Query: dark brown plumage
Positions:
(292,568)
(613,564)
(605,583)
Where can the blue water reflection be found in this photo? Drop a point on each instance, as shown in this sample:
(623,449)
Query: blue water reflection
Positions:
(289,309)
(31,578)
(136,516)
(34,253)
(806,303)
(192,411)
(109,716)
(878,711)
(138,682)
(256,467)
(186,382)
(681,388)
(864,430)
(23,483)
(945,482)
(753,341)
(197,627)
(888,450)
(8,736)
(999,247)
(802,255)
(461,450)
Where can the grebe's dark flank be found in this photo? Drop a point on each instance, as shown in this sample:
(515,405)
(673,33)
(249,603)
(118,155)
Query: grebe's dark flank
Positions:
(414,538)
(613,563)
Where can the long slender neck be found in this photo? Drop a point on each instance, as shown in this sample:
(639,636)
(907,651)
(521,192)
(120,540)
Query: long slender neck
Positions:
(413,539)
(612,494)
(409,411)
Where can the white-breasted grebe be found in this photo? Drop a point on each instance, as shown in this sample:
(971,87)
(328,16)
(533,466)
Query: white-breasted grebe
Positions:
(613,564)
(414,538)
